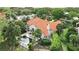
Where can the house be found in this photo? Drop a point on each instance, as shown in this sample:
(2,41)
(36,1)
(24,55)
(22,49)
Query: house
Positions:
(2,15)
(36,23)
(26,38)
(21,17)
(44,25)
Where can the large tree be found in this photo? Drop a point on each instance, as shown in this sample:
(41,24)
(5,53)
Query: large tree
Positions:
(43,12)
(37,33)
(59,29)
(22,25)
(58,13)
(10,33)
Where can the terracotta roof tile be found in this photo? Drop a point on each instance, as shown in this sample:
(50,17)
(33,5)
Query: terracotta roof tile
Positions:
(53,25)
(42,24)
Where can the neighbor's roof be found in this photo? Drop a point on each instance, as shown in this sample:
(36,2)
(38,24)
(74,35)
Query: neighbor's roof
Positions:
(42,24)
(2,14)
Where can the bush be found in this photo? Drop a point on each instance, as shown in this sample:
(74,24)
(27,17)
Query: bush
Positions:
(71,30)
(46,42)
(30,47)
(70,47)
(59,29)
(74,23)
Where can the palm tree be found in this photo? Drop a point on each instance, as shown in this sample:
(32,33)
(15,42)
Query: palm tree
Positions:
(60,32)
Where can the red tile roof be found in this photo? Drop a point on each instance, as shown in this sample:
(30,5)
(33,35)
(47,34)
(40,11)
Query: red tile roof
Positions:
(2,14)
(42,24)
(53,25)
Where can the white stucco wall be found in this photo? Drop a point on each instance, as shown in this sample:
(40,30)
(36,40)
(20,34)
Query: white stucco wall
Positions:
(49,31)
(24,42)
(25,16)
(42,36)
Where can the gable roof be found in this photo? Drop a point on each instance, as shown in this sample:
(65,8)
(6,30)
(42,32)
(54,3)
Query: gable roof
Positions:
(42,24)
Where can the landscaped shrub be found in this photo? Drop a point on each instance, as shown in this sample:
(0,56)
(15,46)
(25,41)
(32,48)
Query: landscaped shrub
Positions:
(30,47)
(37,33)
(45,42)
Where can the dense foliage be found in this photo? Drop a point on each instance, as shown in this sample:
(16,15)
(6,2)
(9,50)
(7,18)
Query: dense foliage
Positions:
(45,42)
(65,38)
(22,25)
(9,33)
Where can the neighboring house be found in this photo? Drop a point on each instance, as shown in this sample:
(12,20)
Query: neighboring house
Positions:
(25,39)
(2,15)
(24,42)
(21,17)
(45,26)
